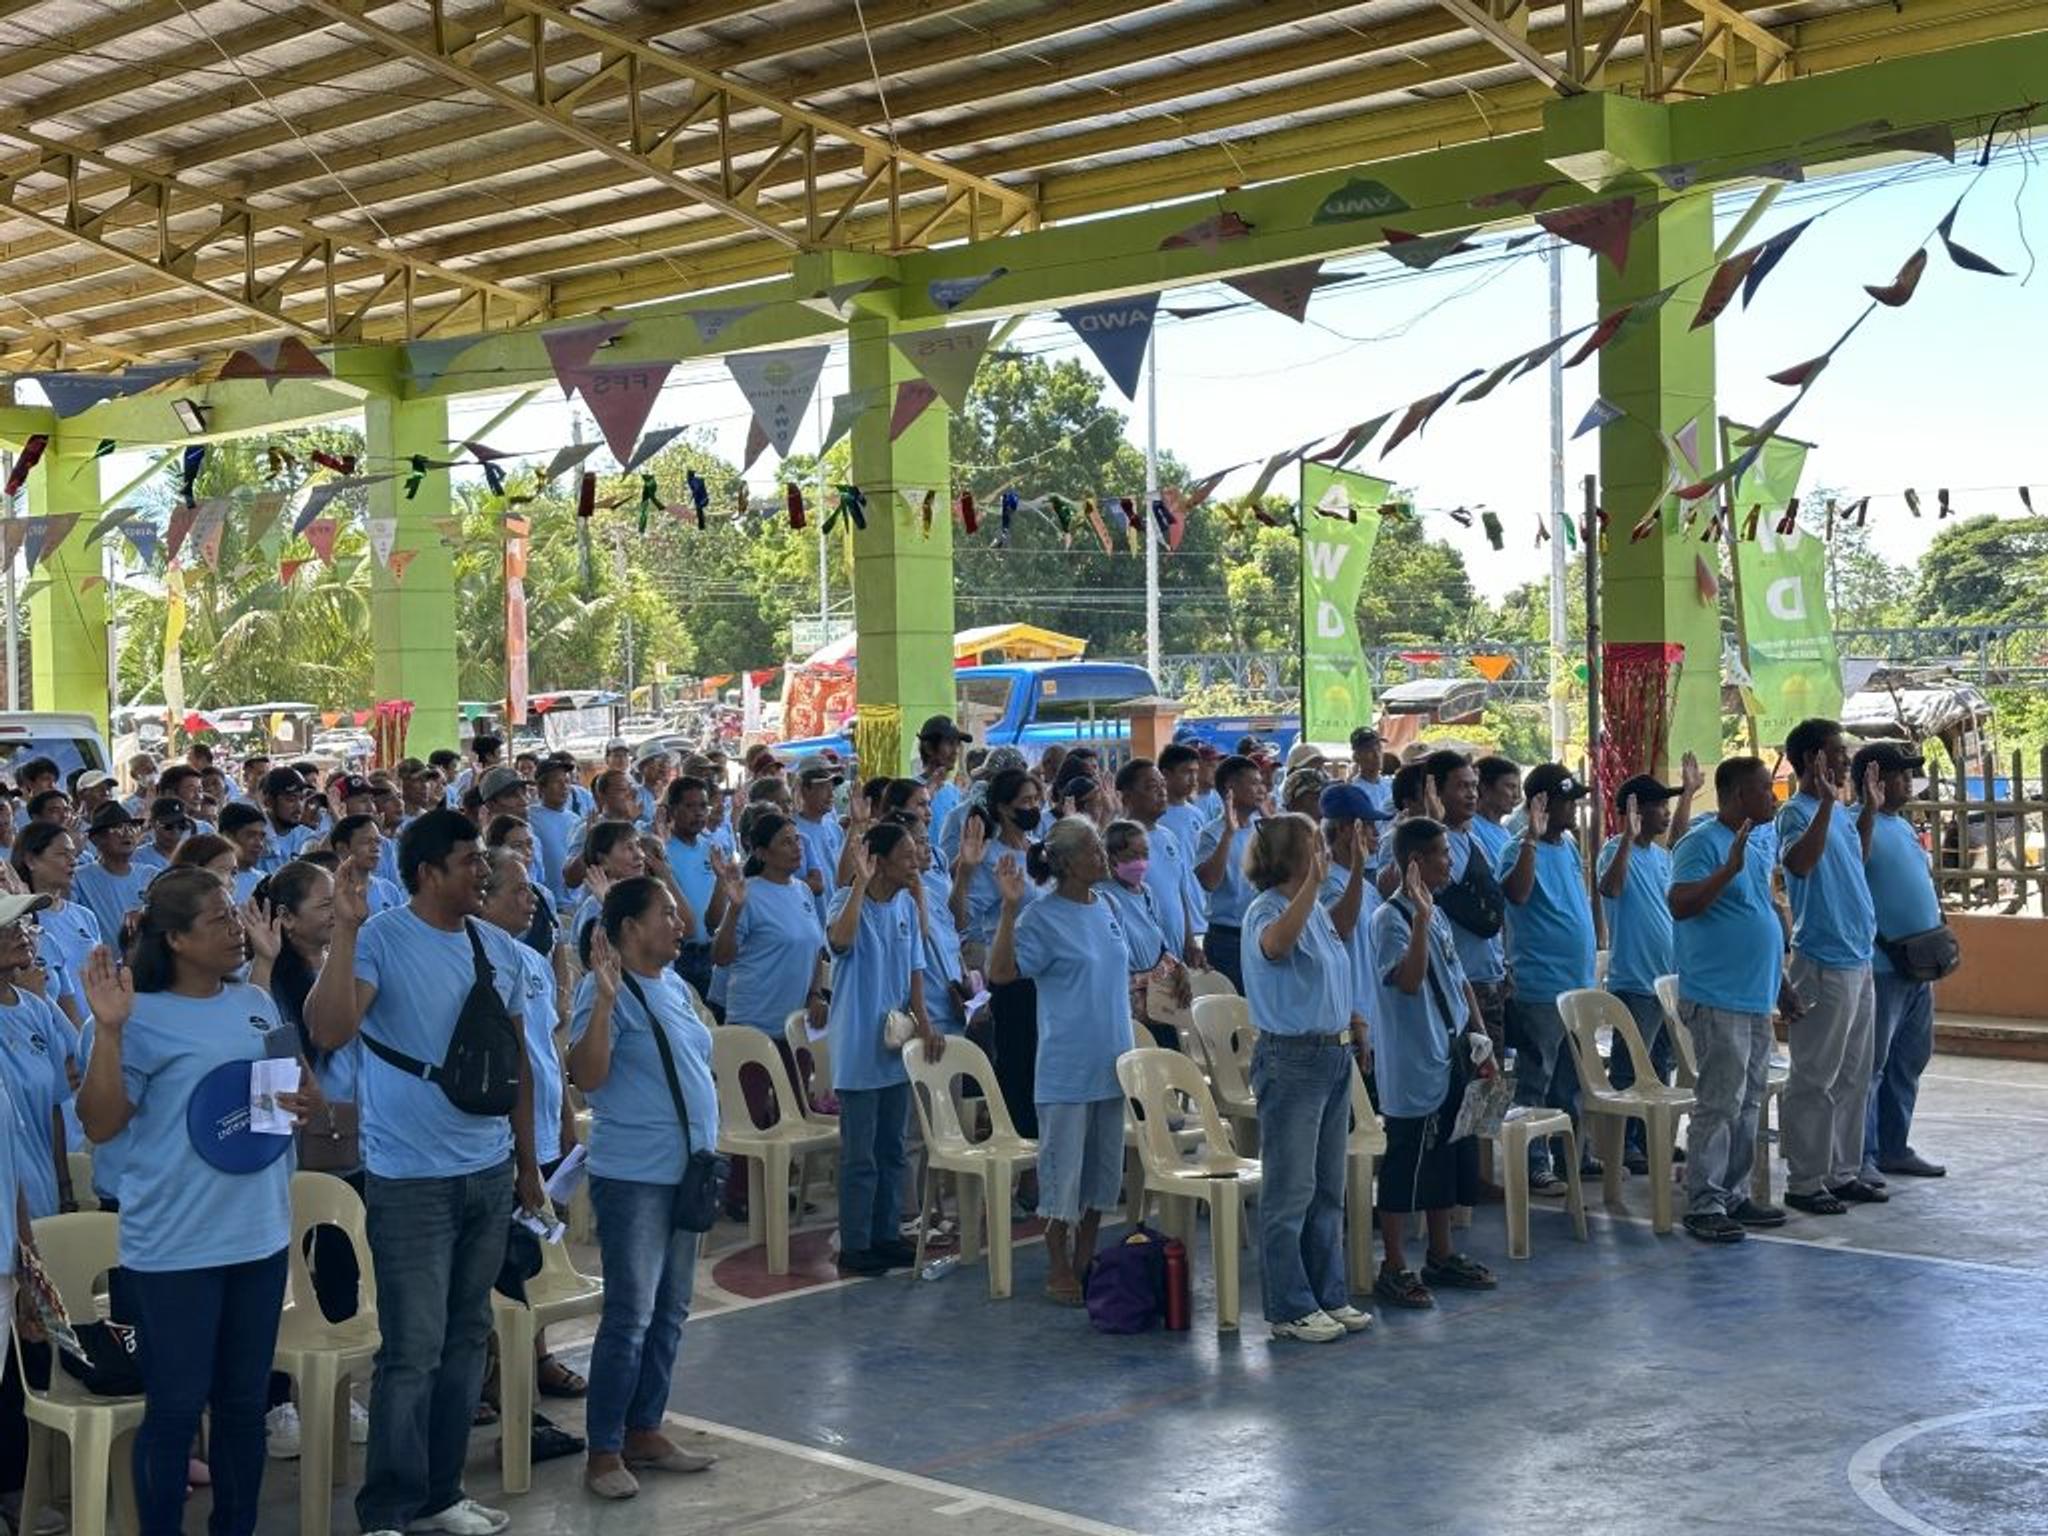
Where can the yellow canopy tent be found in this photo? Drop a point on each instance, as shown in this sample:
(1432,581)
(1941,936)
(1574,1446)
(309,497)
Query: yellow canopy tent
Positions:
(986,642)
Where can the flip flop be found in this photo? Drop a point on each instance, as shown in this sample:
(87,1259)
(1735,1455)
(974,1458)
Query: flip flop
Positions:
(556,1379)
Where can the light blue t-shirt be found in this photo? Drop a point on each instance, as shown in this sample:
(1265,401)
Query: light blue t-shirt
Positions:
(1177,895)
(823,841)
(178,1211)
(10,1227)
(1307,991)
(34,1041)
(110,897)
(244,884)
(690,863)
(1550,935)
(382,895)
(1358,948)
(779,937)
(280,848)
(635,1133)
(554,832)
(1411,1036)
(110,1157)
(146,857)
(1833,917)
(1901,889)
(1208,804)
(869,979)
(1639,919)
(537,1011)
(985,897)
(1138,914)
(1078,955)
(70,933)
(1233,893)
(941,955)
(422,975)
(1380,791)
(1184,821)
(1732,955)
(1485,960)
(943,800)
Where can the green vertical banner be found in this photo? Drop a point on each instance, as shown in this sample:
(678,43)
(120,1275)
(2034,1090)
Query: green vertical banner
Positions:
(1339,521)
(1788,639)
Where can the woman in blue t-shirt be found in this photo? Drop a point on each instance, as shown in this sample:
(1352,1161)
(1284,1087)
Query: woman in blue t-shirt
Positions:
(1127,847)
(637,1156)
(876,935)
(45,856)
(1073,946)
(205,1213)
(997,835)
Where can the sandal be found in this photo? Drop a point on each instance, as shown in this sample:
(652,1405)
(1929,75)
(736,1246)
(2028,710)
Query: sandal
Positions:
(1402,1288)
(556,1379)
(1068,1295)
(1458,1273)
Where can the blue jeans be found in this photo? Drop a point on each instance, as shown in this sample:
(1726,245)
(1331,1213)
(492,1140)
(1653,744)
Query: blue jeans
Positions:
(1621,1067)
(649,1270)
(1905,1044)
(1304,1093)
(206,1337)
(1544,1074)
(870,1164)
(436,1246)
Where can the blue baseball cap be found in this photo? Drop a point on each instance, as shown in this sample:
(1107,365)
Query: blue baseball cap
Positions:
(1349,802)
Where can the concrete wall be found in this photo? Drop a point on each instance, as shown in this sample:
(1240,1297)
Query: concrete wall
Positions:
(2005,961)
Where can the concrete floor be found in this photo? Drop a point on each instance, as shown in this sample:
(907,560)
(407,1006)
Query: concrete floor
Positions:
(1866,1374)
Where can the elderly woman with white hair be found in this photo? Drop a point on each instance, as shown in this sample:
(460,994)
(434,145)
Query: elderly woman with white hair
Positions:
(1072,944)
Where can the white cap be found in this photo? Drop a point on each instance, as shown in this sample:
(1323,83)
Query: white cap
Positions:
(13,908)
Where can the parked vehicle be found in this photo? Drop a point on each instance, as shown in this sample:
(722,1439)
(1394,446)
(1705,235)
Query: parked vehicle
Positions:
(1033,705)
(70,741)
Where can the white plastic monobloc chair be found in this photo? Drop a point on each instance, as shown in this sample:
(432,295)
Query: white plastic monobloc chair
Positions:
(1689,1074)
(985,1172)
(1609,1109)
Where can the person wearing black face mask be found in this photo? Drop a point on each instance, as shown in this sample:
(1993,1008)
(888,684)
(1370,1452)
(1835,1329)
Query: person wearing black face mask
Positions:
(1014,804)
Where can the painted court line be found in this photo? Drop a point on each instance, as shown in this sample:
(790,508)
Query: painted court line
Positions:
(1866,1466)
(1788,1241)
(959,1498)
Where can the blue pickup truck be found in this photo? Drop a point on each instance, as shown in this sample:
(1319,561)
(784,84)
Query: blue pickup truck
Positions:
(1033,705)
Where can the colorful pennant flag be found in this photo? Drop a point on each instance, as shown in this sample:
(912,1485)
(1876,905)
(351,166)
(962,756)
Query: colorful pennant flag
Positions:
(1768,255)
(1899,290)
(712,323)
(650,445)
(1603,228)
(571,348)
(1722,289)
(1207,234)
(949,293)
(1598,415)
(1117,332)
(913,399)
(621,397)
(948,358)
(427,361)
(1962,255)
(278,358)
(400,559)
(778,386)
(31,453)
(566,459)
(1284,290)
(1421,252)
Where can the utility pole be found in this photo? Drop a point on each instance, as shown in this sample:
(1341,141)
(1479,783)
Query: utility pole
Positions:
(1152,656)
(12,597)
(1560,720)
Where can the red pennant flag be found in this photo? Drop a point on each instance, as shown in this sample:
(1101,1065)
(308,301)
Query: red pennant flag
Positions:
(757,444)
(1603,333)
(793,498)
(31,450)
(1603,228)
(182,519)
(913,398)
(1721,291)
(320,534)
(1417,415)
(1705,579)
(621,396)
(1285,290)
(1208,233)
(400,559)
(1896,292)
(287,569)
(1799,375)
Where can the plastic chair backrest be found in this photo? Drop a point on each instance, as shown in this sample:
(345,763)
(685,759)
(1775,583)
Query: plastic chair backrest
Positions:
(796,1032)
(1210,983)
(1225,1025)
(732,1050)
(81,1180)
(322,1200)
(77,1250)
(1585,1010)
(1681,1037)
(1365,1123)
(1156,1078)
(964,1062)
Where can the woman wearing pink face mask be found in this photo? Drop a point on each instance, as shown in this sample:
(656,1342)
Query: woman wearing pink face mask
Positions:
(1128,847)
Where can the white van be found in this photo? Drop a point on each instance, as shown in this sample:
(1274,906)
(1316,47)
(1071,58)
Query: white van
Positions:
(70,741)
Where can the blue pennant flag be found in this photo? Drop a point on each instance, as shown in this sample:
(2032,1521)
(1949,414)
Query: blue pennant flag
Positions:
(1117,332)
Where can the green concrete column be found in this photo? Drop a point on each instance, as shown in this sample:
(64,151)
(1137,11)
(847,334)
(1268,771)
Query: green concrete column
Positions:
(67,622)
(902,581)
(1661,371)
(412,623)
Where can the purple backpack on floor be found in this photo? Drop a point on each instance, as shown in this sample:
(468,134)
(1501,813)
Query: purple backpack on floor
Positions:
(1126,1287)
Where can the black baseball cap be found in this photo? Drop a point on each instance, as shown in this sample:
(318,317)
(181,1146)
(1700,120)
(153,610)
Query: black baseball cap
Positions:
(1554,780)
(283,781)
(942,728)
(1890,757)
(114,814)
(1643,789)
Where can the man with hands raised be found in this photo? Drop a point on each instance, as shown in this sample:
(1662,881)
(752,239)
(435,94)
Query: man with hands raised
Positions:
(1822,847)
(1729,946)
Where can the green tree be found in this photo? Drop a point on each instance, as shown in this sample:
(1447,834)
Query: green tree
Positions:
(1417,591)
(1865,590)
(1984,570)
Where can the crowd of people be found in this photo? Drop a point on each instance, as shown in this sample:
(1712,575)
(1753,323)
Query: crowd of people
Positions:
(458,952)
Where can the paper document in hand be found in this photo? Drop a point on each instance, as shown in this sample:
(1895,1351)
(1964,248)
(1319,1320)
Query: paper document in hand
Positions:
(567,1177)
(268,1079)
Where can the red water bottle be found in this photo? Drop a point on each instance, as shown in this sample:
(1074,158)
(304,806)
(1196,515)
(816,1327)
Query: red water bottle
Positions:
(1179,1299)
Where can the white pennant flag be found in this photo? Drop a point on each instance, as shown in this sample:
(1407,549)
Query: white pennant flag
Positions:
(778,385)
(383,538)
(566,459)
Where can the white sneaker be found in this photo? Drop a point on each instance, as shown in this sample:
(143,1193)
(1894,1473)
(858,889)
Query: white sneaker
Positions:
(465,1517)
(1316,1328)
(281,1432)
(358,1423)
(1354,1321)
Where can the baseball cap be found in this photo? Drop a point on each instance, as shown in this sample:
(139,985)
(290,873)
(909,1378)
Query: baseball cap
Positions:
(14,908)
(283,781)
(616,744)
(111,815)
(498,781)
(1301,781)
(92,778)
(170,810)
(1643,789)
(1889,756)
(942,728)
(1001,758)
(1251,746)
(1554,780)
(816,766)
(1350,802)
(354,784)
(1304,754)
(1364,734)
(649,751)
(1208,751)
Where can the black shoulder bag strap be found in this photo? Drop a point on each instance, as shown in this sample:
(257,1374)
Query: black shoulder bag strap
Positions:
(412,1066)
(668,1058)
(1436,986)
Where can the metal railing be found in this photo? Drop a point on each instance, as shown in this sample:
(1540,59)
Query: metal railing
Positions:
(1989,833)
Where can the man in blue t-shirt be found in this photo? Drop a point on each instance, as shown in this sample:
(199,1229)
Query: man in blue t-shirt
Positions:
(1550,952)
(1219,863)
(441,1183)
(1635,880)
(1821,849)
(1729,947)
(1902,896)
